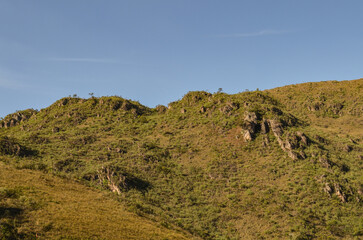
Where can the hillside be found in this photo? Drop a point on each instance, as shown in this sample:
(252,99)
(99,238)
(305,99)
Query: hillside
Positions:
(284,163)
(46,207)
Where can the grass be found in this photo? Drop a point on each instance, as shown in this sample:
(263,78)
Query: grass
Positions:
(56,208)
(188,166)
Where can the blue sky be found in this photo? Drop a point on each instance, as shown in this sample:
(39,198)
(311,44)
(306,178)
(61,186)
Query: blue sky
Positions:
(155,51)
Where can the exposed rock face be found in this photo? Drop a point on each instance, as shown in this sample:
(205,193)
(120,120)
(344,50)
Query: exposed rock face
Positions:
(115,181)
(348,148)
(327,189)
(336,108)
(16,118)
(247,136)
(276,127)
(63,102)
(303,138)
(9,146)
(339,192)
(292,142)
(264,127)
(229,107)
(249,126)
(161,109)
(325,162)
(315,106)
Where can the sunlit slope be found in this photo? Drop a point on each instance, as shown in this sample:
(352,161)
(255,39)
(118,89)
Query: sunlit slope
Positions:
(57,208)
(279,164)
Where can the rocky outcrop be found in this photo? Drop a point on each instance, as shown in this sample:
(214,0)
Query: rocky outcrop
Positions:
(291,142)
(327,189)
(249,126)
(325,162)
(339,192)
(264,127)
(229,107)
(276,127)
(160,108)
(63,102)
(334,188)
(10,146)
(118,181)
(16,118)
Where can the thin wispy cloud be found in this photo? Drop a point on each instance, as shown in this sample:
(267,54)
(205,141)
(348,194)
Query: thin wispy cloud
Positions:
(89,60)
(10,84)
(255,34)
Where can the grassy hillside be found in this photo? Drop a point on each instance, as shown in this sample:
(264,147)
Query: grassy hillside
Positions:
(34,205)
(279,164)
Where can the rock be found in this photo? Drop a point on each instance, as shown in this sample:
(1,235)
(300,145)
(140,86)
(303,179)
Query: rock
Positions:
(320,139)
(126,106)
(230,106)
(55,129)
(161,109)
(291,142)
(250,117)
(276,127)
(292,155)
(183,111)
(247,136)
(264,127)
(327,189)
(339,192)
(315,106)
(336,107)
(13,122)
(325,162)
(348,148)
(63,102)
(202,109)
(119,150)
(249,125)
(266,142)
(302,155)
(303,138)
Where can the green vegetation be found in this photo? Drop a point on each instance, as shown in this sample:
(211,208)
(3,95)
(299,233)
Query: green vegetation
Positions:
(279,164)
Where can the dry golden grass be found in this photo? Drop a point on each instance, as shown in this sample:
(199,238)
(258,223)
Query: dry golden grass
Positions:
(71,210)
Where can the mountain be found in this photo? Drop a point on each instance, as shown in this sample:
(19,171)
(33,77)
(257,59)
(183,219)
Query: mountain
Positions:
(284,163)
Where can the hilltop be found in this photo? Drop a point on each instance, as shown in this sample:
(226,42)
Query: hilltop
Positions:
(284,163)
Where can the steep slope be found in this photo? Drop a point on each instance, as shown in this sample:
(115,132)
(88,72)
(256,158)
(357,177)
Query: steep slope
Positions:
(284,163)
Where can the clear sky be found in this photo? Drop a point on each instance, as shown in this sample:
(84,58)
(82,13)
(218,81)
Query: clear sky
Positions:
(155,51)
